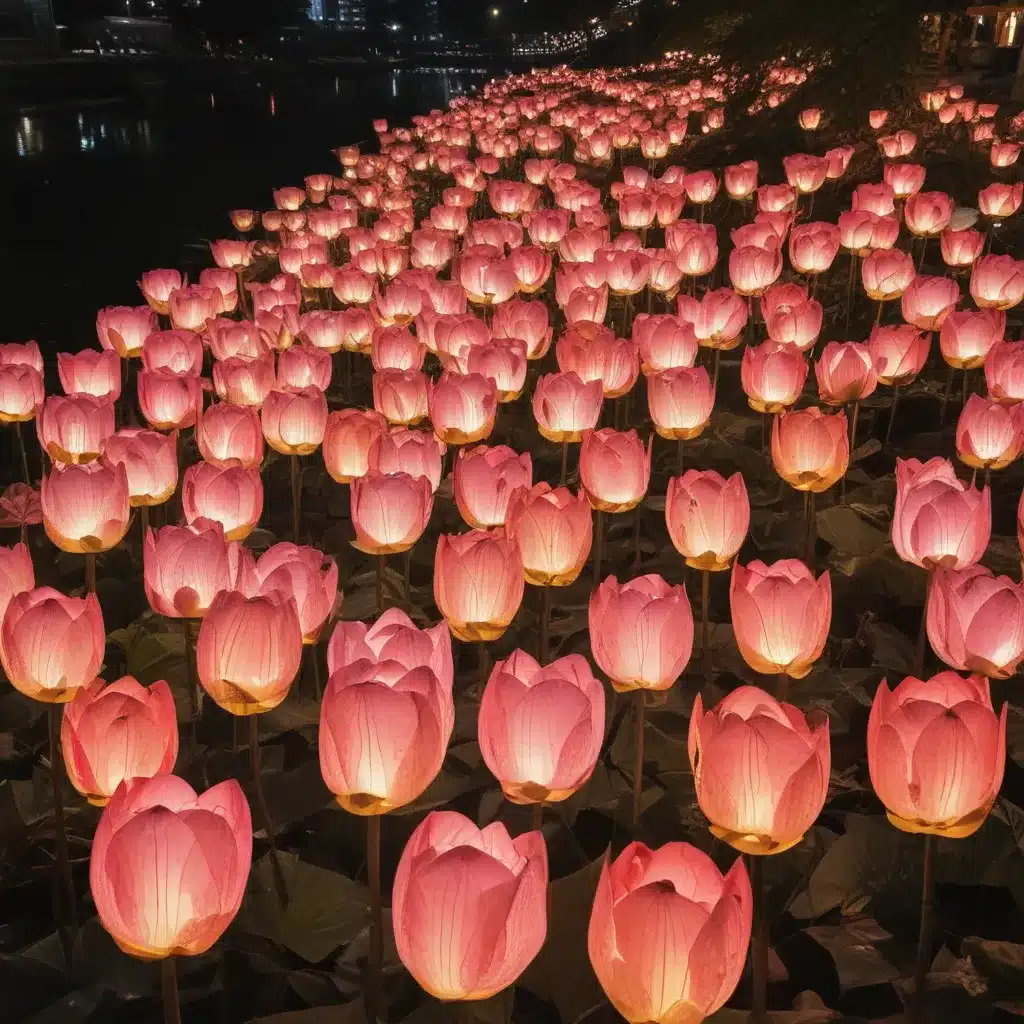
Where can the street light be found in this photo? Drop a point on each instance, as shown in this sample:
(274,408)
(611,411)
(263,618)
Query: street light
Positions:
(495,12)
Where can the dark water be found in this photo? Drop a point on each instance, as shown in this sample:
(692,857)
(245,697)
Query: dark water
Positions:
(97,192)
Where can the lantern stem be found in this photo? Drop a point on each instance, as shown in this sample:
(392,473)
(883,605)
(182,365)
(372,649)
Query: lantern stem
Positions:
(963,388)
(191,681)
(758,944)
(143,528)
(565,464)
(809,528)
(545,625)
(705,625)
(988,476)
(537,817)
(262,812)
(892,415)
(878,315)
(90,572)
(945,397)
(638,756)
(598,543)
(24,454)
(922,632)
(714,379)
(849,287)
(380,584)
(376,952)
(781,686)
(296,475)
(924,938)
(169,985)
(65,883)
(680,455)
(406,580)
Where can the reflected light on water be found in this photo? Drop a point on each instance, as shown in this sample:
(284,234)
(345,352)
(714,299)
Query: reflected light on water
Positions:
(29,137)
(273,105)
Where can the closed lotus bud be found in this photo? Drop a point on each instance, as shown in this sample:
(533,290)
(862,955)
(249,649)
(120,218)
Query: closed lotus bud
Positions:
(772,376)
(781,616)
(810,118)
(414,452)
(526,320)
(123,329)
(701,186)
(304,366)
(615,469)
(150,460)
(961,248)
(484,480)
(587,304)
(752,269)
(90,372)
(294,421)
(325,329)
(405,717)
(975,621)
(198,847)
(776,198)
(741,179)
(936,753)
(396,348)
(245,381)
(1000,201)
(51,645)
(804,172)
(938,521)
(887,273)
(597,355)
(797,326)
(478,583)
(168,400)
(668,934)
(565,406)
(898,353)
(967,337)
(813,247)
(353,286)
(695,247)
(997,282)
(1004,154)
(18,575)
(665,342)
(110,734)
(532,268)
(348,437)
(249,650)
(929,300)
(390,511)
(21,393)
(191,307)
(503,361)
(877,118)
(875,197)
(228,338)
(989,435)
(626,272)
(927,214)
(462,407)
(845,372)
(810,448)
(641,632)
(74,429)
(708,517)
(180,352)
(227,432)
(307,576)
(401,396)
(229,494)
(554,531)
(1004,371)
(85,508)
(760,769)
(448,871)
(861,231)
(185,567)
(156,287)
(541,727)
(907,180)
(680,402)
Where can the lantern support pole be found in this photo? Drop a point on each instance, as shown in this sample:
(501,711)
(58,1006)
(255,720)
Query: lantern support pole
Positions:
(537,816)
(192,682)
(263,814)
(296,480)
(598,544)
(545,625)
(638,756)
(380,584)
(758,944)
(24,454)
(376,951)
(565,464)
(64,882)
(922,632)
(169,986)
(705,624)
(892,415)
(924,937)
(90,571)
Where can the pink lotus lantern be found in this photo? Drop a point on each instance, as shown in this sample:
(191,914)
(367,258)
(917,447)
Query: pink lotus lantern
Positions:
(294,421)
(813,247)
(804,172)
(227,432)
(875,197)
(150,460)
(898,353)
(707,517)
(740,180)
(680,402)
(565,406)
(414,452)
(249,650)
(907,180)
(401,396)
(989,434)
(752,269)
(395,348)
(997,282)
(928,301)
(304,366)
(810,119)
(595,354)
(668,933)
(478,583)
(123,329)
(781,616)
(51,645)
(961,248)
(810,448)
(18,575)
(191,307)
(156,287)
(85,508)
(912,731)
(90,373)
(245,381)
(21,393)
(877,118)
(169,401)
(845,373)
(760,768)
(305,575)
(938,521)
(484,481)
(526,320)
(446,871)
(347,441)
(967,337)
(887,273)
(1004,154)
(664,341)
(998,201)
(110,734)
(927,214)
(185,567)
(1004,371)
(207,846)
(554,531)
(73,430)
(180,352)
(615,469)
(462,407)
(229,494)
(541,728)
(772,376)
(390,511)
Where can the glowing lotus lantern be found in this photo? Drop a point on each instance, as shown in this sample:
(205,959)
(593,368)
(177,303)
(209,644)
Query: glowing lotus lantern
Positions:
(810,448)
(249,650)
(554,531)
(877,118)
(191,307)
(347,440)
(718,318)
(21,393)
(185,567)
(753,269)
(641,632)
(532,268)
(51,645)
(1004,371)
(927,301)
(845,373)
(651,965)
(17,574)
(85,508)
(680,402)
(400,450)
(304,366)
(938,521)
(781,616)
(294,421)
(462,407)
(245,381)
(695,247)
(772,376)
(401,396)
(707,517)
(968,336)
(989,434)
(307,576)
(229,494)
(526,320)
(898,353)
(150,460)
(997,282)
(887,273)
(74,429)
(740,180)
(961,248)
(484,481)
(861,231)
(911,732)
(478,583)
(156,287)
(813,247)
(110,734)
(124,329)
(776,198)
(90,372)
(1004,154)
(809,119)
(488,280)
(390,511)
(615,469)
(927,214)
(804,172)
(838,161)
(894,147)
(760,769)
(227,432)
(595,354)
(999,201)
